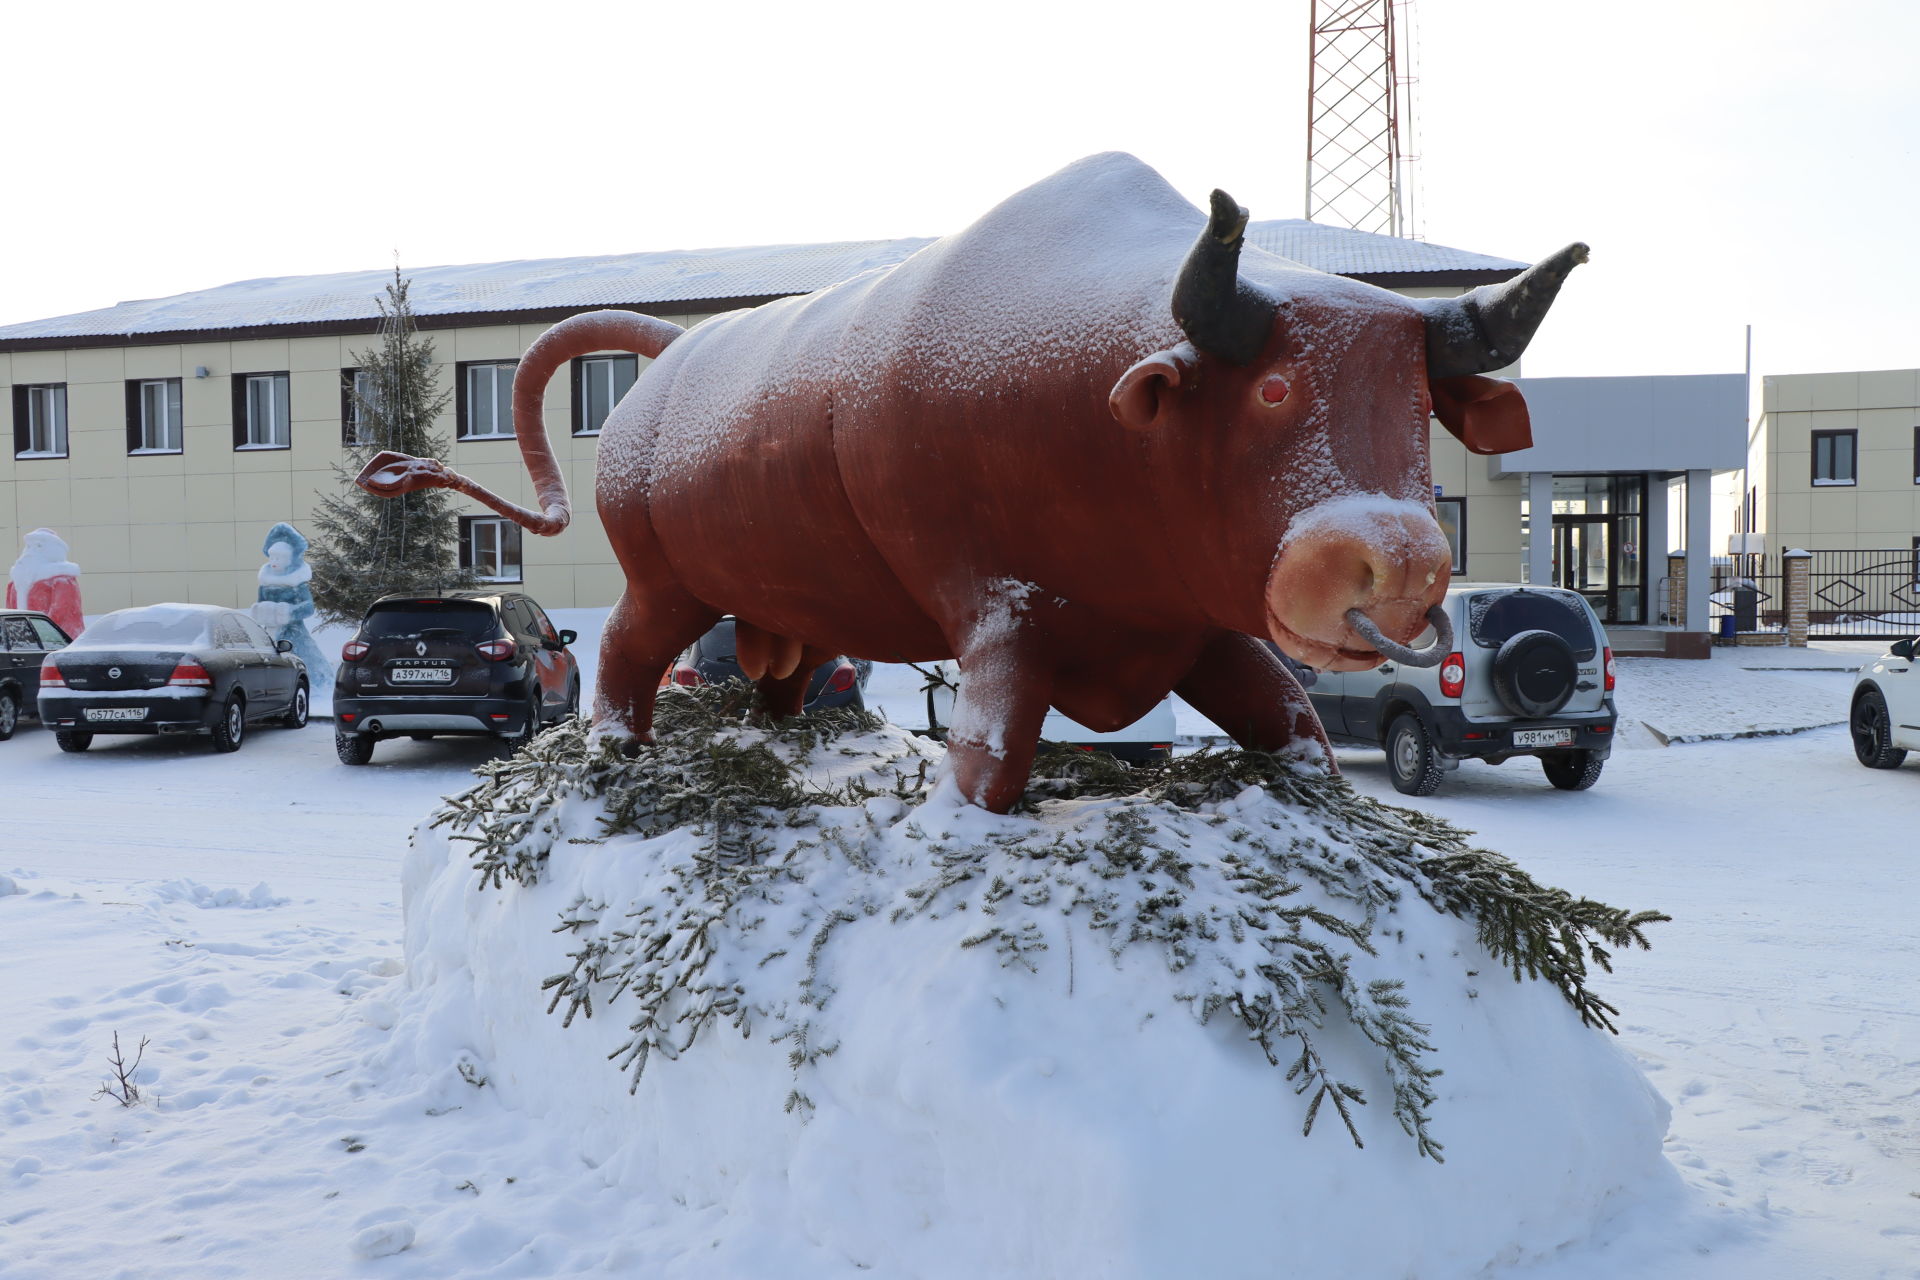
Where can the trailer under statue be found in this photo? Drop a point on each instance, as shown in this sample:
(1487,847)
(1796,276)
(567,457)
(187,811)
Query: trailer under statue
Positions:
(1088,446)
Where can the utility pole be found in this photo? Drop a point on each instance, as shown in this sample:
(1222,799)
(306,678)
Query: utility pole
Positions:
(1359,112)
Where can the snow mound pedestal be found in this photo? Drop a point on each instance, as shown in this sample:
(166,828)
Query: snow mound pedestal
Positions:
(1229,1021)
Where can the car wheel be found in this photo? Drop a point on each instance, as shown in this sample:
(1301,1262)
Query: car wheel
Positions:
(1873,732)
(230,730)
(9,713)
(73,739)
(296,717)
(1572,770)
(573,701)
(353,748)
(511,743)
(1411,760)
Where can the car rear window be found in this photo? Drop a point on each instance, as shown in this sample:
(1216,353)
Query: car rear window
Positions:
(402,619)
(717,644)
(1495,617)
(145,627)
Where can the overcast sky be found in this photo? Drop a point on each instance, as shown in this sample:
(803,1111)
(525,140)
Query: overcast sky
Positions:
(1731,162)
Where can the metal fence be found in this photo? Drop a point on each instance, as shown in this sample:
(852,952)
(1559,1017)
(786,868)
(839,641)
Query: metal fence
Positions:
(1870,593)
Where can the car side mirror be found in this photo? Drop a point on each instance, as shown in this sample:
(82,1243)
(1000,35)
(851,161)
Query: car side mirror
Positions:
(1903,649)
(568,637)
(283,646)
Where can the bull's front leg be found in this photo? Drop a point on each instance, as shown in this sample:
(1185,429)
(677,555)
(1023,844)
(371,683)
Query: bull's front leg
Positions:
(1004,690)
(1241,686)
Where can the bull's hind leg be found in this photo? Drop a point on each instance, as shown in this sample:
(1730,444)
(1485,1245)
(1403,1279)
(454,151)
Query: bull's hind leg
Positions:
(644,634)
(1239,685)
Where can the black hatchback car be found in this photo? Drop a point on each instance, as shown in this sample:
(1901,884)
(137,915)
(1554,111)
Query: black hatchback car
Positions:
(26,638)
(467,662)
(171,668)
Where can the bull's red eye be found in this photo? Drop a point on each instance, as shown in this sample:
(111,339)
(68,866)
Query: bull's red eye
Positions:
(1274,390)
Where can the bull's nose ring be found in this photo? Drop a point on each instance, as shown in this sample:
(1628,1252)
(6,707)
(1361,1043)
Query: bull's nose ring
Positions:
(1431,656)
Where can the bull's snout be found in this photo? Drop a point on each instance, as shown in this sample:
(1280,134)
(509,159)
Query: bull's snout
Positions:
(1387,561)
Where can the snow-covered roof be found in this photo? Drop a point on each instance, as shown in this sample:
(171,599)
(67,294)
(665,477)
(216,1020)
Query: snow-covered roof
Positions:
(345,301)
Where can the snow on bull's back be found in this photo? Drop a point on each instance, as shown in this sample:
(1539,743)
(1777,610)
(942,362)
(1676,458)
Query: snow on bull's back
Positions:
(1129,1033)
(1073,273)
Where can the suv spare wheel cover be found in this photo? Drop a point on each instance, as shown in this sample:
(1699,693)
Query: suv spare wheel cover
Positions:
(1533,673)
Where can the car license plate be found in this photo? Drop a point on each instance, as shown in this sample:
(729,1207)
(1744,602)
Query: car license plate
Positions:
(1543,737)
(116,713)
(420,675)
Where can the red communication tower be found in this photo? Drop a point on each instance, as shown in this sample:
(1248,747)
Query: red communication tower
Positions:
(1359,109)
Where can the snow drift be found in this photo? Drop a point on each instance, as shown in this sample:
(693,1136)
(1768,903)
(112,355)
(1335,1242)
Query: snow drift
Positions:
(1234,1021)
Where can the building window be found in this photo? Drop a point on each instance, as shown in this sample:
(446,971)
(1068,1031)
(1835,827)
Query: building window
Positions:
(1916,455)
(486,400)
(1453,522)
(356,391)
(261,416)
(490,547)
(598,384)
(1834,454)
(40,420)
(153,415)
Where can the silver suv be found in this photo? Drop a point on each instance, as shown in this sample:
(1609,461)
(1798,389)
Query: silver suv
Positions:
(1530,674)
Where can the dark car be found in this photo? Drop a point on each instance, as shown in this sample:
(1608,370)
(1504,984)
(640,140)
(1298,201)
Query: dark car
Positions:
(171,668)
(467,662)
(711,660)
(26,639)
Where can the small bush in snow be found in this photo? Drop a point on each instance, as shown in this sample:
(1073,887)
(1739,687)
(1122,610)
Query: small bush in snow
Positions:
(123,1088)
(751,866)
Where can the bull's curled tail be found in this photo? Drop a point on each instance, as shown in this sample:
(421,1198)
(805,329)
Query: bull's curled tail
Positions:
(389,474)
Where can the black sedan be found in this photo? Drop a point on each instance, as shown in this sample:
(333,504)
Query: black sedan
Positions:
(26,638)
(834,683)
(171,668)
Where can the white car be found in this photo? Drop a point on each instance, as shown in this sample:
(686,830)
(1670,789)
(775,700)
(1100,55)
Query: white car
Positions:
(1146,739)
(1528,673)
(1886,707)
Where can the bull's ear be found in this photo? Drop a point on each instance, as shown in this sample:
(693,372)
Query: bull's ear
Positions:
(1139,399)
(1485,414)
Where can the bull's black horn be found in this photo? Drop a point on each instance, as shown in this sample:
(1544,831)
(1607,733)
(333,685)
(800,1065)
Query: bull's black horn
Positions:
(1220,313)
(1489,328)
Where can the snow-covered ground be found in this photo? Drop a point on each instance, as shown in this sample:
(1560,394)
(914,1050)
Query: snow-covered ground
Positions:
(1776,1013)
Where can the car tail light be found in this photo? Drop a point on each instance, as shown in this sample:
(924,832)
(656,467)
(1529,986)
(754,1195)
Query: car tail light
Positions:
(495,650)
(842,678)
(354,650)
(1453,675)
(50,677)
(190,674)
(686,675)
(1608,660)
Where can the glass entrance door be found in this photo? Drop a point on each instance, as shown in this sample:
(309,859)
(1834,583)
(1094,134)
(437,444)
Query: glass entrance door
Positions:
(1598,522)
(1583,561)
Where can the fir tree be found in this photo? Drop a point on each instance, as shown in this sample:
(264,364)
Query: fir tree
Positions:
(367,547)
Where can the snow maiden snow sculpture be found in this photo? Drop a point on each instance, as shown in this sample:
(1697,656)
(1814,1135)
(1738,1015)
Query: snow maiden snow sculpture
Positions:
(1088,445)
(44,579)
(286,601)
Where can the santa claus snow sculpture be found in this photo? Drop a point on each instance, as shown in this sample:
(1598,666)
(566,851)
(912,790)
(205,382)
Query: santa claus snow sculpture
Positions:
(44,579)
(286,600)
